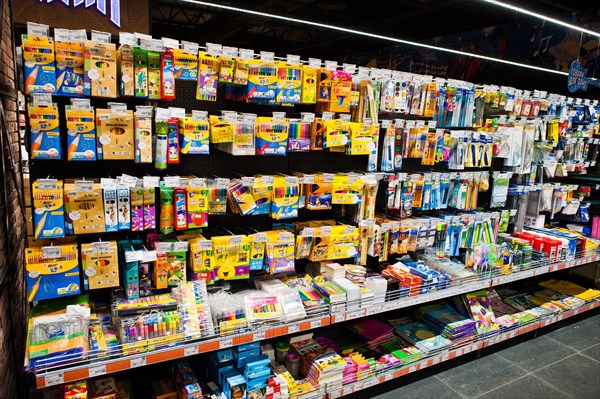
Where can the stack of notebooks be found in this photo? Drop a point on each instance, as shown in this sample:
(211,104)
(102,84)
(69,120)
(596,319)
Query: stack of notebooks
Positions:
(404,351)
(567,302)
(446,320)
(373,332)
(423,337)
(502,311)
(476,305)
(320,365)
(572,289)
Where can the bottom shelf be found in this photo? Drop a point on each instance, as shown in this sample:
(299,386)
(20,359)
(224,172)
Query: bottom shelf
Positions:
(453,353)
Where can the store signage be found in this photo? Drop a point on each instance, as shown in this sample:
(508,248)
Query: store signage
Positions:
(578,79)
(101,6)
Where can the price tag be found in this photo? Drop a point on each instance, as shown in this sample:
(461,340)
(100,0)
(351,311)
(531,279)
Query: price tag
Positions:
(278,117)
(325,230)
(339,317)
(51,252)
(191,351)
(108,184)
(139,36)
(308,232)
(95,371)
(47,184)
(54,379)
(369,382)
(412,369)
(246,54)
(117,108)
(293,59)
(314,63)
(127,180)
(249,118)
(101,246)
(151,181)
(197,182)
(100,37)
(355,315)
(171,181)
(230,52)
(199,115)
(335,394)
(164,247)
(226,342)
(308,179)
(307,117)
(331,65)
(162,114)
(267,56)
(61,35)
(149,256)
(84,185)
(138,362)
(327,116)
(134,256)
(127,38)
(177,112)
(235,240)
(213,48)
(293,328)
(285,236)
(290,180)
(259,335)
(81,104)
(42,99)
(315,324)
(345,117)
(222,183)
(349,68)
(189,47)
(170,43)
(34,29)
(181,246)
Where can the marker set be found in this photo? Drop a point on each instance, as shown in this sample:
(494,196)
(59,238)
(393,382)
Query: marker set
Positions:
(208,77)
(149,332)
(195,136)
(271,137)
(185,65)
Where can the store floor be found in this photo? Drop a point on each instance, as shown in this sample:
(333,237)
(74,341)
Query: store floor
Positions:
(560,361)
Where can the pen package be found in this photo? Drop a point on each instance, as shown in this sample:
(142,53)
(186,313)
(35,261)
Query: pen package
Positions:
(201,260)
(186,65)
(52,277)
(347,190)
(262,192)
(271,137)
(217,200)
(324,85)
(337,133)
(221,131)
(299,136)
(194,135)
(81,134)
(40,67)
(128,269)
(289,84)
(161,150)
(232,257)
(341,88)
(136,197)
(44,131)
(125,65)
(154,76)
(240,73)
(240,197)
(100,69)
(309,85)
(167,76)
(173,148)
(285,198)
(316,135)
(181,217)
(69,68)
(149,208)
(262,80)
(48,210)
(100,267)
(143,139)
(226,68)
(115,133)
(140,61)
(208,78)
(319,193)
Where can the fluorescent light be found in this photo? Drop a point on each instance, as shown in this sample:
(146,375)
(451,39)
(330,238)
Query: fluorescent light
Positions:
(372,35)
(549,19)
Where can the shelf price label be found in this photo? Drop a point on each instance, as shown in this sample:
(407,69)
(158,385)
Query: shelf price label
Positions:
(95,371)
(190,351)
(293,328)
(315,324)
(226,342)
(138,362)
(259,335)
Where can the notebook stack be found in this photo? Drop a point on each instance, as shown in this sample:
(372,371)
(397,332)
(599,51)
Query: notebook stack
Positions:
(422,336)
(447,321)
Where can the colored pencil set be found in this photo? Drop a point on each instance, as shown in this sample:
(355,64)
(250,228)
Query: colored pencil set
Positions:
(52,277)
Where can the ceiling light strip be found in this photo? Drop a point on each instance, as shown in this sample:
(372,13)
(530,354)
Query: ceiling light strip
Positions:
(540,16)
(372,35)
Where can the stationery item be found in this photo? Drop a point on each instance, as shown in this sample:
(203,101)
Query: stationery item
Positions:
(363,139)
(140,60)
(309,85)
(420,335)
(115,134)
(126,67)
(208,78)
(100,265)
(167,209)
(240,196)
(111,209)
(337,133)
(76,390)
(129,264)
(69,68)
(197,207)
(262,81)
(271,137)
(136,195)
(81,134)
(279,252)
(52,276)
(286,191)
(232,257)
(316,134)
(262,193)
(181,216)
(221,130)
(289,84)
(299,136)
(154,76)
(149,208)
(263,308)
(84,209)
(173,141)
(143,138)
(44,131)
(201,260)
(161,144)
(124,208)
(185,65)
(324,85)
(100,69)
(40,68)
(240,74)
(167,75)
(48,209)
(482,313)
(226,68)
(194,136)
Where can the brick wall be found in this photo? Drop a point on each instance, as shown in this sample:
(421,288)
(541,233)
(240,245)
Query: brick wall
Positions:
(13,308)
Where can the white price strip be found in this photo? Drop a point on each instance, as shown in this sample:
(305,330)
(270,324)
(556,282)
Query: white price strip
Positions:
(181,246)
(163,246)
(412,369)
(95,371)
(102,247)
(259,335)
(368,383)
(138,362)
(81,104)
(117,108)
(54,379)
(315,324)
(42,99)
(307,117)
(171,181)
(293,59)
(314,62)
(355,315)
(339,317)
(190,351)
(227,342)
(149,256)
(51,252)
(34,29)
(151,181)
(293,328)
(267,56)
(84,185)
(100,37)
(189,47)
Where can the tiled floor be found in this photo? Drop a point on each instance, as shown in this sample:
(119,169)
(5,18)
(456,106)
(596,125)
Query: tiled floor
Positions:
(562,361)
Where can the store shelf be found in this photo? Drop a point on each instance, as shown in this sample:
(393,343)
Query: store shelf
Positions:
(84,368)
(453,353)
